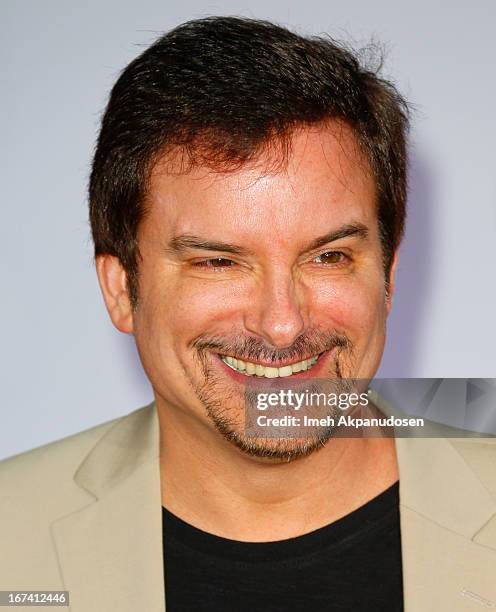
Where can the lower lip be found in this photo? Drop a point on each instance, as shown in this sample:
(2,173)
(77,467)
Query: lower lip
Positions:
(313,372)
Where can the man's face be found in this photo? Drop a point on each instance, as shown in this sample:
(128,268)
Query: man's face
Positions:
(269,268)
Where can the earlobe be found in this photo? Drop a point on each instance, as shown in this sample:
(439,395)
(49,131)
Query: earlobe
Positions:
(113,283)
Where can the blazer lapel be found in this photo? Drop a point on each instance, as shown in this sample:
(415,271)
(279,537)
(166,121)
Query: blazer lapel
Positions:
(110,550)
(448,529)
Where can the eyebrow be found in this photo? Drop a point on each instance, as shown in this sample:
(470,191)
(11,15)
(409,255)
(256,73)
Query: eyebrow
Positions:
(186,242)
(358,230)
(179,244)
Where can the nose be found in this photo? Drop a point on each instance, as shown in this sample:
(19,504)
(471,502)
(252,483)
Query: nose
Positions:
(275,313)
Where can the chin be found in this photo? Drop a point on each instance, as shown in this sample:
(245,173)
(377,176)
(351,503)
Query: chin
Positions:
(274,450)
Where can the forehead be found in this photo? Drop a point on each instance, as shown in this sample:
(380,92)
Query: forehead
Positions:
(323,182)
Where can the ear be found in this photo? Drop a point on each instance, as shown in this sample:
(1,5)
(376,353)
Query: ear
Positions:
(392,276)
(113,283)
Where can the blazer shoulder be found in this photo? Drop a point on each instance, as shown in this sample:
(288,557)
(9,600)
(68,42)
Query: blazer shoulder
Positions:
(73,445)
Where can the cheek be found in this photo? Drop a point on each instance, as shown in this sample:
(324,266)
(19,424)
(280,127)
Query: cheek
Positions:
(192,306)
(354,306)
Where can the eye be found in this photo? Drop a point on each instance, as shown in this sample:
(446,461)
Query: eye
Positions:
(215,263)
(331,258)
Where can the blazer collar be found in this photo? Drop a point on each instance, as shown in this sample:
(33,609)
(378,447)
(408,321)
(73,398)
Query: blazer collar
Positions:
(132,441)
(448,519)
(437,483)
(448,529)
(435,480)
(110,550)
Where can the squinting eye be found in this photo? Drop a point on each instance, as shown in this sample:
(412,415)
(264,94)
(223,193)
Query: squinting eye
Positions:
(331,257)
(216,262)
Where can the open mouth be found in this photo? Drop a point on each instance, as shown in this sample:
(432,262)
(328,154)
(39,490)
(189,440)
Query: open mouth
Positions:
(256,369)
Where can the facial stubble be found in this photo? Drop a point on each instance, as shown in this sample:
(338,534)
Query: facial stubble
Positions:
(226,405)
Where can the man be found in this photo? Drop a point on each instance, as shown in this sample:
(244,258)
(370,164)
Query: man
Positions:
(247,201)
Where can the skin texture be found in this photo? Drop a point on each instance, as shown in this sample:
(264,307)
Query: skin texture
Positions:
(276,300)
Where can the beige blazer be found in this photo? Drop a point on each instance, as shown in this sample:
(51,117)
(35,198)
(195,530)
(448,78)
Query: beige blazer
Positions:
(83,514)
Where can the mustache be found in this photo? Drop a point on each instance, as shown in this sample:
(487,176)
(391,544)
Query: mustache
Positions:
(312,342)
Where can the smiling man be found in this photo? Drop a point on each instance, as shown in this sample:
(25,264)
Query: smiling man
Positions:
(247,201)
(279,268)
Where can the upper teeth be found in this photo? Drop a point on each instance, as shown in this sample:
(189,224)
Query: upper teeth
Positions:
(255,369)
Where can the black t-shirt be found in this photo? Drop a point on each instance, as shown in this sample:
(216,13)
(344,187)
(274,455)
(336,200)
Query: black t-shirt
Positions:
(353,564)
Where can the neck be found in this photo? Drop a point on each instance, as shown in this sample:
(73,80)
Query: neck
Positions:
(209,483)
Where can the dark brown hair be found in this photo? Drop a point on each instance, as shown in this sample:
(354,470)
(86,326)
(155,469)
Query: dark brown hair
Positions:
(221,89)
